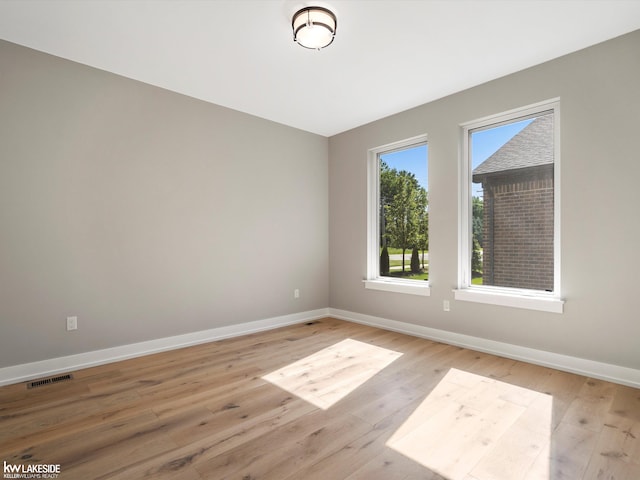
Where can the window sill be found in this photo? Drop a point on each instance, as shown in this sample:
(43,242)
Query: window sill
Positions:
(508,299)
(398,286)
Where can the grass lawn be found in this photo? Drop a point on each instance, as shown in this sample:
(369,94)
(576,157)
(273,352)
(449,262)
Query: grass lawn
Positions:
(410,276)
(424,275)
(398,251)
(407,263)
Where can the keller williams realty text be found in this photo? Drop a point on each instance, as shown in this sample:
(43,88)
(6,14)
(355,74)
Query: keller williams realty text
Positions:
(31,471)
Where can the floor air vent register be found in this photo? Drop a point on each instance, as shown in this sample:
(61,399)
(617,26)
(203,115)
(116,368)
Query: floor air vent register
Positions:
(49,381)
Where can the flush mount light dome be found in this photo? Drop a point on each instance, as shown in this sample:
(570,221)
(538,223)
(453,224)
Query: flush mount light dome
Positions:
(314,27)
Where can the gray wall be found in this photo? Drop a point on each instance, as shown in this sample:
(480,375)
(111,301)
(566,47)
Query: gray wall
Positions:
(146,213)
(599,90)
(149,214)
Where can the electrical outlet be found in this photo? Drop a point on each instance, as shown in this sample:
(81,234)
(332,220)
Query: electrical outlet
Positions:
(296,293)
(72,323)
(446,306)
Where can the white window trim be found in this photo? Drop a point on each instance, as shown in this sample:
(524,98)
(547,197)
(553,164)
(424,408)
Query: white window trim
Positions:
(374,281)
(510,297)
(411,287)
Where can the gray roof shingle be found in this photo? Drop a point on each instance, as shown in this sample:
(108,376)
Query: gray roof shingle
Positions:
(532,146)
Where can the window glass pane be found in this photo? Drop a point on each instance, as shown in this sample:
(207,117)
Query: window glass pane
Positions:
(404,214)
(512,190)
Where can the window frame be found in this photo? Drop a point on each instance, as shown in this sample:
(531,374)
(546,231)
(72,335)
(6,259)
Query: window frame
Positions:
(506,296)
(373,279)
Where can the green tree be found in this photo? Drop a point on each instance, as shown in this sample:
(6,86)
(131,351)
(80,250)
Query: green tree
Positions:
(477,206)
(415,261)
(402,218)
(388,190)
(477,210)
(384,262)
(423,222)
(476,259)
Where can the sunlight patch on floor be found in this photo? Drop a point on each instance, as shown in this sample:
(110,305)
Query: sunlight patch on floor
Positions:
(472,426)
(331,374)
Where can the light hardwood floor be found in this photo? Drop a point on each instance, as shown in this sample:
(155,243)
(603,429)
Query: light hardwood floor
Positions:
(327,400)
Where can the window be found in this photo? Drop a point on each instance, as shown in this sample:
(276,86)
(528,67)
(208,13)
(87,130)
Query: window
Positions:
(398,243)
(509,210)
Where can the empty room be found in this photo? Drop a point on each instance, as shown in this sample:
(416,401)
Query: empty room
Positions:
(274,239)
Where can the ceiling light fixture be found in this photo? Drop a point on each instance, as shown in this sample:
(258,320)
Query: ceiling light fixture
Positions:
(314,27)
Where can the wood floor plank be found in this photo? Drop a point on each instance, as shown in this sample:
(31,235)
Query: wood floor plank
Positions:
(626,403)
(374,407)
(285,450)
(512,455)
(325,400)
(108,447)
(455,439)
(591,406)
(62,413)
(354,457)
(571,448)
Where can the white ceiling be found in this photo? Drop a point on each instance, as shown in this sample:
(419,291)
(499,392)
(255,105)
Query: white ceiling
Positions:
(388,56)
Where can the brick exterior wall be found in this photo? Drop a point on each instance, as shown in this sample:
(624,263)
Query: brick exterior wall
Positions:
(518,228)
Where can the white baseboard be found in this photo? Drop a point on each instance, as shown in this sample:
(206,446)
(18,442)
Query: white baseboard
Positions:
(580,366)
(53,366)
(603,371)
